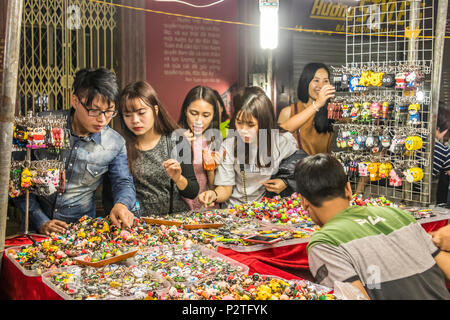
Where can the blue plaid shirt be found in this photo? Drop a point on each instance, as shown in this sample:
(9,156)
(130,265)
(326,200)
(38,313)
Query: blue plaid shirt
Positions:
(88,160)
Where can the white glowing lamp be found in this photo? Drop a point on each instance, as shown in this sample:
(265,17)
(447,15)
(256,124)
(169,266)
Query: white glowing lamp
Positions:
(268,23)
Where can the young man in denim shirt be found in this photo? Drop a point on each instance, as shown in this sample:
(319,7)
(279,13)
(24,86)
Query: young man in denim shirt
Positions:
(95,150)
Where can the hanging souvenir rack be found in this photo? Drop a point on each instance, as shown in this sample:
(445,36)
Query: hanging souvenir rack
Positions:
(43,176)
(382,109)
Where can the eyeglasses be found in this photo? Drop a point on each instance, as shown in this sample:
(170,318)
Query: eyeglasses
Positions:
(97,112)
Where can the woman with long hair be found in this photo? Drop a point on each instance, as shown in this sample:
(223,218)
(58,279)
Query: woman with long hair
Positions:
(308,119)
(148,128)
(253,151)
(200,116)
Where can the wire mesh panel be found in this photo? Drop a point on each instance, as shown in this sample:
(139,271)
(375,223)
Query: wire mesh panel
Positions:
(60,37)
(383,119)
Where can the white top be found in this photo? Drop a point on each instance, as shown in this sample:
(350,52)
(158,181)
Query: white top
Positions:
(229,171)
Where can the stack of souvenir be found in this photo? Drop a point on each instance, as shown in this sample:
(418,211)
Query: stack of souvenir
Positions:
(192,217)
(359,200)
(96,237)
(276,210)
(182,265)
(255,287)
(106,283)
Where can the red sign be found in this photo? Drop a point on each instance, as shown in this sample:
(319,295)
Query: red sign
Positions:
(183,52)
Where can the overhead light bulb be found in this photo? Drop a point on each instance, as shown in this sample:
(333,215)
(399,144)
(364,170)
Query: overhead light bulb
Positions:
(268,23)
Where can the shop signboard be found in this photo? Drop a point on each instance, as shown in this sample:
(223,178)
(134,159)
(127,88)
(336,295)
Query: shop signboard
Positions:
(183,52)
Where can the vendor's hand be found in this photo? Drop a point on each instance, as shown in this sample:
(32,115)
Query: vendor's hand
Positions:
(121,217)
(275,185)
(327,92)
(53,226)
(207,198)
(441,238)
(173,169)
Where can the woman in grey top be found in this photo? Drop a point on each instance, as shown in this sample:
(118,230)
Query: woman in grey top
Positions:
(253,152)
(160,180)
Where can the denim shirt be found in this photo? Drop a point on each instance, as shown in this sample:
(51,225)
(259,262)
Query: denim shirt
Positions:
(88,160)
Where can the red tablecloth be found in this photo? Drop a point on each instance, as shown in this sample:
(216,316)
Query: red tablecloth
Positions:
(274,261)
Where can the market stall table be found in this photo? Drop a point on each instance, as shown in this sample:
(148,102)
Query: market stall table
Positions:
(275,261)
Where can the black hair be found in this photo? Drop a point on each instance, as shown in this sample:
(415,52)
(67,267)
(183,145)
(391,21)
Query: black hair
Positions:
(224,115)
(319,178)
(200,93)
(321,122)
(89,83)
(164,124)
(253,101)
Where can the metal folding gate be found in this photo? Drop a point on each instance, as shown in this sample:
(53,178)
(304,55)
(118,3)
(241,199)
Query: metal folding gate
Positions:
(60,37)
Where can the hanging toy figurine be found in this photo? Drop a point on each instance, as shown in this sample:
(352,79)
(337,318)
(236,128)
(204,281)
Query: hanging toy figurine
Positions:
(414,116)
(355,111)
(385,110)
(413,174)
(57,138)
(375,109)
(400,80)
(374,171)
(363,168)
(365,112)
(388,80)
(14,183)
(26,178)
(385,169)
(20,136)
(38,138)
(346,111)
(396,178)
(411,80)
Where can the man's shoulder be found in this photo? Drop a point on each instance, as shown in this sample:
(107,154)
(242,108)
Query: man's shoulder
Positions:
(111,137)
(358,222)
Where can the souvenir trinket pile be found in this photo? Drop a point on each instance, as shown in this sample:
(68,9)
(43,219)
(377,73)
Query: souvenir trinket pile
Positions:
(278,210)
(183,265)
(97,238)
(106,283)
(254,287)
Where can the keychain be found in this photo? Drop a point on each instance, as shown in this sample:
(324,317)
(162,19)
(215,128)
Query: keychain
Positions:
(400,80)
(414,116)
(375,109)
(363,168)
(396,178)
(414,174)
(365,112)
(373,169)
(385,169)
(388,80)
(377,79)
(385,110)
(355,111)
(413,143)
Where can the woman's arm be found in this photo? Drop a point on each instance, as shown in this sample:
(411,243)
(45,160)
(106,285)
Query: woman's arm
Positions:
(188,188)
(296,121)
(184,177)
(219,194)
(285,114)
(210,175)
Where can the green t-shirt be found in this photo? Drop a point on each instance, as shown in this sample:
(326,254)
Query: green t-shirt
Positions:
(384,248)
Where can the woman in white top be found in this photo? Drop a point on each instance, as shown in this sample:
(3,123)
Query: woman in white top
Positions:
(253,151)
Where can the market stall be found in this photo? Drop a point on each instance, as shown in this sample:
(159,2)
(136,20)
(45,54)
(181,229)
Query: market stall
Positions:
(92,241)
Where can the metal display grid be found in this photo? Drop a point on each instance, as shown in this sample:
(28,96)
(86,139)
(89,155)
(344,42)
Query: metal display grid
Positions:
(378,38)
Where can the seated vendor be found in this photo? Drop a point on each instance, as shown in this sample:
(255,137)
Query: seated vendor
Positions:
(96,150)
(382,251)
